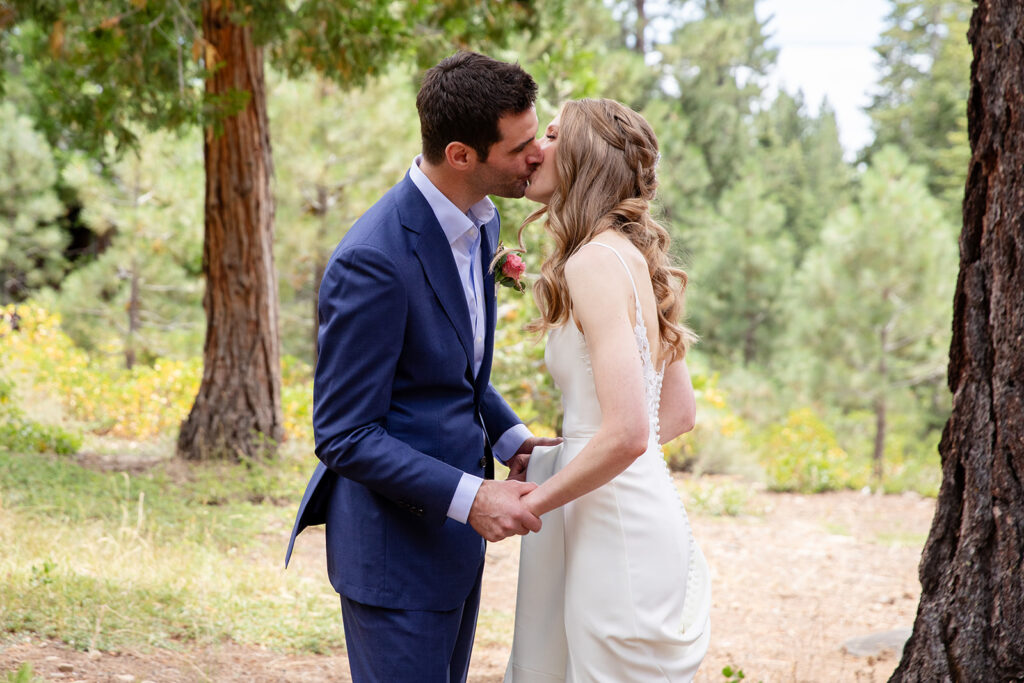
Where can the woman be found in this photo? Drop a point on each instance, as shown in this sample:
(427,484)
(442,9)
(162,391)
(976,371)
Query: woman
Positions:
(613,588)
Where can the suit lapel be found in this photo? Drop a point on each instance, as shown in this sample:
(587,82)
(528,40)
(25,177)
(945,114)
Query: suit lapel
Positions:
(488,239)
(435,255)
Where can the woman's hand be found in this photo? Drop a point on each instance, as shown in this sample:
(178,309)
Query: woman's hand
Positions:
(517,463)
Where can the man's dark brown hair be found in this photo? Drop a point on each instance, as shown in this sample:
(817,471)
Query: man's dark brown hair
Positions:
(462,98)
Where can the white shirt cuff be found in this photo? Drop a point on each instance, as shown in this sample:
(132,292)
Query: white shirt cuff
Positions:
(465,494)
(510,442)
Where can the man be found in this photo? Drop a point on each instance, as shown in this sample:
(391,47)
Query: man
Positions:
(404,415)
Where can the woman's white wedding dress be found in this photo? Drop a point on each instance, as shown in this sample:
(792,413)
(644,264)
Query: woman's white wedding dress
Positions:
(613,588)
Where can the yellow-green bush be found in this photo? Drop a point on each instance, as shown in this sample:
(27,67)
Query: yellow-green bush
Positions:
(518,371)
(93,390)
(802,454)
(96,392)
(22,435)
(716,445)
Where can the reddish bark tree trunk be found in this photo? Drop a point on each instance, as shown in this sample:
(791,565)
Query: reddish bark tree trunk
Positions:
(238,409)
(970,621)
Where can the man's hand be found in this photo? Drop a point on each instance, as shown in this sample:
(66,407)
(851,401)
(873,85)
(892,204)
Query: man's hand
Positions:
(518,462)
(517,467)
(498,510)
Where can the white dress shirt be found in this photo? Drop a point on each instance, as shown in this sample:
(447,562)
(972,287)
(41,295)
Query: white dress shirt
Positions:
(463,233)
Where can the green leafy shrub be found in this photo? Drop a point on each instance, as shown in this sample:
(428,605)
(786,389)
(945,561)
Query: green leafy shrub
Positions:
(102,396)
(25,674)
(25,436)
(20,434)
(519,372)
(716,444)
(802,455)
(719,499)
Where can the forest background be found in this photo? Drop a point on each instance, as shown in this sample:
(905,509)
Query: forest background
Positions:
(821,287)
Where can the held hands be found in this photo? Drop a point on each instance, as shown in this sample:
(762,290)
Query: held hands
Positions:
(498,510)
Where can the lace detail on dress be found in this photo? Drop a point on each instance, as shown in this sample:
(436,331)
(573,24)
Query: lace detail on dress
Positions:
(652,377)
(696,604)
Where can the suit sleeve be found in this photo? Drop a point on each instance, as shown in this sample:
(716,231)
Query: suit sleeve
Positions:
(501,421)
(362,312)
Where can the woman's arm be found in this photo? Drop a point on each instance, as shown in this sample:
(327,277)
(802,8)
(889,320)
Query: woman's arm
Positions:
(602,300)
(678,406)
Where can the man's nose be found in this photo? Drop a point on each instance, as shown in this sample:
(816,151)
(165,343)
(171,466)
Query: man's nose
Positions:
(536,153)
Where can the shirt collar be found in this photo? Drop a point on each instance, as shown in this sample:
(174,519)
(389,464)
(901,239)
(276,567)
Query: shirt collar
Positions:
(453,222)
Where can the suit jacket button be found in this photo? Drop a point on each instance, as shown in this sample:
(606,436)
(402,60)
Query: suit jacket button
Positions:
(483,461)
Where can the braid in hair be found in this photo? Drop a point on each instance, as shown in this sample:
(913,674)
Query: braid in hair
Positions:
(606,161)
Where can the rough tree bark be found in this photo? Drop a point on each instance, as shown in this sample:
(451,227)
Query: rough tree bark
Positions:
(238,409)
(970,621)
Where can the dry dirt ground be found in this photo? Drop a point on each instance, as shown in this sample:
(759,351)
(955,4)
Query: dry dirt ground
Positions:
(792,583)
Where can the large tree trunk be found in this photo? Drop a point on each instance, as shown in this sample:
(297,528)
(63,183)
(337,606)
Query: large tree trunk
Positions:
(970,622)
(238,409)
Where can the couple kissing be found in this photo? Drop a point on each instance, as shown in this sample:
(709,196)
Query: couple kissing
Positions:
(612,586)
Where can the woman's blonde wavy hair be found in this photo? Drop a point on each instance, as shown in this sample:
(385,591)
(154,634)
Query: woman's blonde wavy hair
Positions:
(606,160)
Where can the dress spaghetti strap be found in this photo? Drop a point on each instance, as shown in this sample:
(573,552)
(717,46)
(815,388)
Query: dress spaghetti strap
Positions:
(629,273)
(636,296)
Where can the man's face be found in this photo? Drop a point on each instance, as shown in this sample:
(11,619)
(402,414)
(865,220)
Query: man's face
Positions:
(511,159)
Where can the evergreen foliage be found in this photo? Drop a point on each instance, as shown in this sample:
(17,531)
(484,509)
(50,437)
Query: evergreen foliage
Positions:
(140,298)
(798,259)
(921,102)
(31,242)
(870,305)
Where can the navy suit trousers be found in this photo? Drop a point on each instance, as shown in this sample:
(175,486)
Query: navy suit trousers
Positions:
(410,646)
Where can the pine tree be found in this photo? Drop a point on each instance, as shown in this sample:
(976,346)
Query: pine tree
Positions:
(919,106)
(31,243)
(867,312)
(139,297)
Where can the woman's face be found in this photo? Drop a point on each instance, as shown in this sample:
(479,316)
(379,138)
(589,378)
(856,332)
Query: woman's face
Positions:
(544,180)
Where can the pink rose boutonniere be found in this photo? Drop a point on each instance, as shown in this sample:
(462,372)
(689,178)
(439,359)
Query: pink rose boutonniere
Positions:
(509,268)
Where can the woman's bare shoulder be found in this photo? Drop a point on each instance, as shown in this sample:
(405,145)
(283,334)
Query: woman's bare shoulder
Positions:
(597,280)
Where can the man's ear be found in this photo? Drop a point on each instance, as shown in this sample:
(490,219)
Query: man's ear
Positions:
(460,156)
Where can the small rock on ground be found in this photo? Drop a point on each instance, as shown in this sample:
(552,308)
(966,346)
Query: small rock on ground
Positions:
(875,644)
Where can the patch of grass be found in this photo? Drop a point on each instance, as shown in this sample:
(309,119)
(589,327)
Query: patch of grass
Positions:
(25,674)
(718,498)
(734,675)
(109,561)
(838,529)
(902,539)
(494,627)
(18,433)
(922,475)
